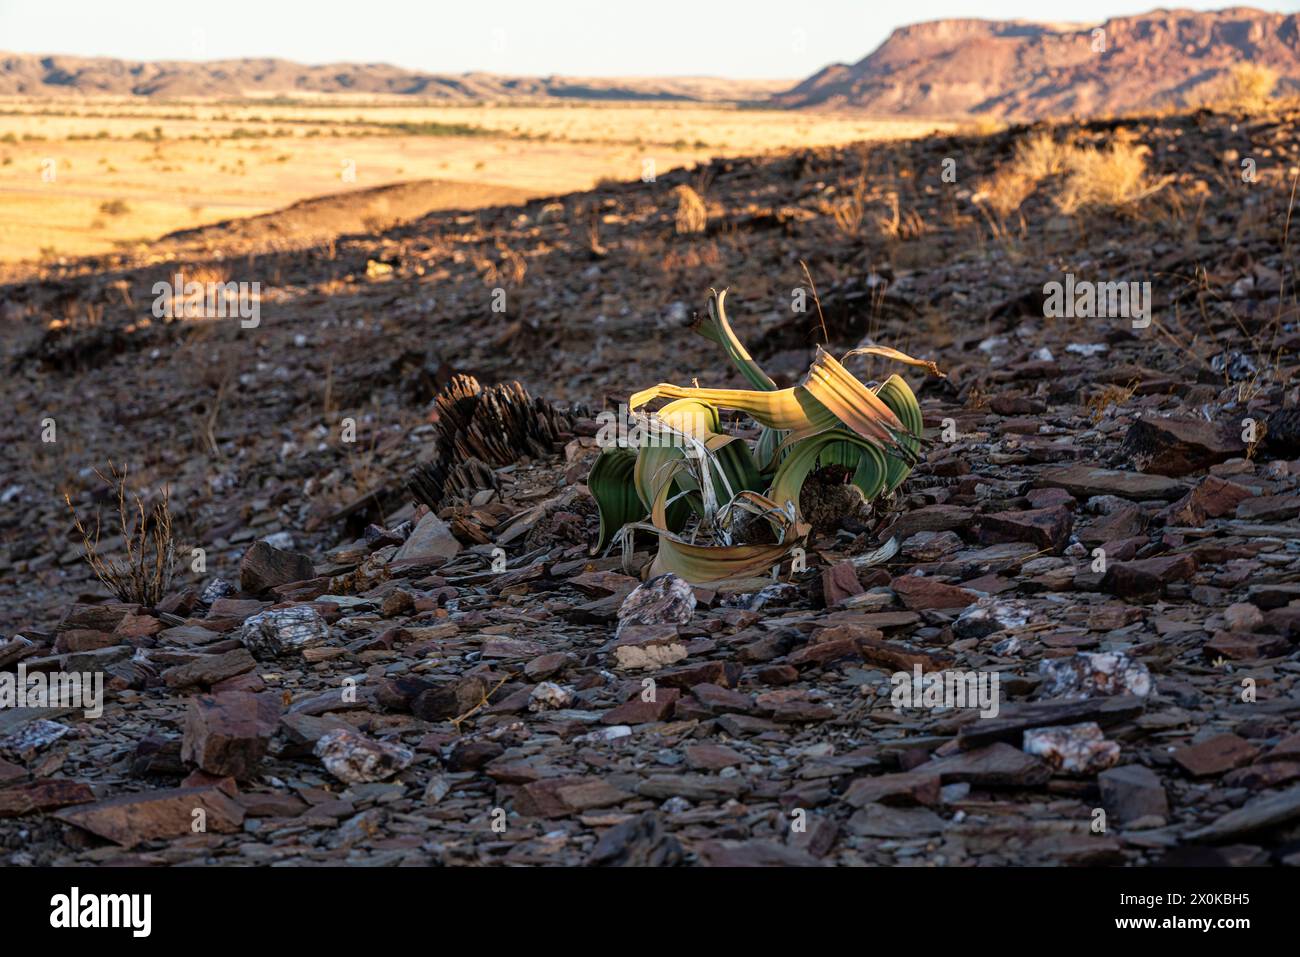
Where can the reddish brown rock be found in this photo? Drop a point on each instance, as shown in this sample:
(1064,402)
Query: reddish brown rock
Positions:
(603,584)
(10,772)
(907,788)
(793,705)
(932,518)
(235,608)
(1215,755)
(138,626)
(1243,616)
(551,797)
(637,711)
(777,675)
(131,819)
(1271,508)
(1048,528)
(228,734)
(1179,446)
(1123,523)
(264,567)
(821,652)
(1211,498)
(1085,481)
(995,765)
(1050,498)
(725,674)
(840,581)
(721,700)
(85,639)
(210,669)
(449,700)
(101,617)
(712,757)
(43,796)
(921,593)
(1274,594)
(1288,749)
(1285,621)
(1132,792)
(1245,646)
(1146,579)
(547,665)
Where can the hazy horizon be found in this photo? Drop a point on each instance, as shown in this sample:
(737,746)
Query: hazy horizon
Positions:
(677,39)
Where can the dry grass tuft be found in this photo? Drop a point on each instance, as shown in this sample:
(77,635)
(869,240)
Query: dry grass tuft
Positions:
(1110,397)
(1085,177)
(900,224)
(692,214)
(1040,156)
(146,574)
(1248,87)
(1036,158)
(1107,178)
(851,212)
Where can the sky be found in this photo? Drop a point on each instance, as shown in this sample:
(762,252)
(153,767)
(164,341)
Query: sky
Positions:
(734,38)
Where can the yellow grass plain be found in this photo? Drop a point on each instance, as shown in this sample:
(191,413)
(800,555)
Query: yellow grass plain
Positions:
(86,176)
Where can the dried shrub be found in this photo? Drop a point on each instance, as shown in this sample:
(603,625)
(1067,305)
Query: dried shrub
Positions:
(692,214)
(851,211)
(1247,87)
(1107,178)
(899,223)
(1037,158)
(146,574)
(1085,177)
(1040,156)
(479,430)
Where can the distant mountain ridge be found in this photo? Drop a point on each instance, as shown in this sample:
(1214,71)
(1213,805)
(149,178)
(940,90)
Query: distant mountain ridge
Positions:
(1014,69)
(37,75)
(943,68)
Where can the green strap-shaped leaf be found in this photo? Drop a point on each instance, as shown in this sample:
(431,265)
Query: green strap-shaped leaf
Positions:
(718,329)
(807,454)
(896,394)
(613,487)
(731,458)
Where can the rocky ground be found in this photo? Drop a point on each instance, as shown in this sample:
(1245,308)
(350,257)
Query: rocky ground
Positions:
(349,679)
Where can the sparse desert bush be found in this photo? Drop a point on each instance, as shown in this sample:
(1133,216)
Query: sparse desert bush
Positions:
(145,576)
(1006,191)
(1040,156)
(988,125)
(850,212)
(692,214)
(1248,87)
(1085,177)
(899,223)
(114,207)
(1036,158)
(1107,178)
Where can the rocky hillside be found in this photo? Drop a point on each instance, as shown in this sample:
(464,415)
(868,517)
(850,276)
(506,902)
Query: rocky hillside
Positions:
(1026,70)
(352,678)
(40,75)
